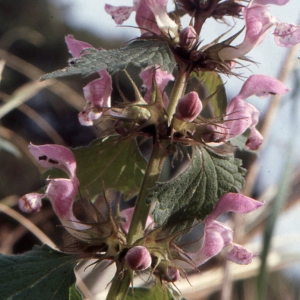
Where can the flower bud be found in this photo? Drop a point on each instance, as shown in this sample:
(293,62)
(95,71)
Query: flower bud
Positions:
(188,37)
(138,258)
(167,272)
(189,107)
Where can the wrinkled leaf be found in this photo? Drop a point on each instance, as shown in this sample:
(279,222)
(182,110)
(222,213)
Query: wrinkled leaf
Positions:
(213,82)
(141,53)
(116,163)
(41,273)
(194,193)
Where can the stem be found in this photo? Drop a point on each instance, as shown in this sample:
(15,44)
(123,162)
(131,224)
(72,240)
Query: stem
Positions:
(177,92)
(141,211)
(119,287)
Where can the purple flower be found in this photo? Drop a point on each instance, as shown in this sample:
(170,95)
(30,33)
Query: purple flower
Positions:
(161,78)
(60,191)
(97,93)
(218,236)
(257,21)
(241,115)
(144,16)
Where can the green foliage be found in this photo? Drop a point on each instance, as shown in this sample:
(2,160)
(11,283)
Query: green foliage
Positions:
(194,193)
(157,292)
(117,163)
(74,294)
(213,82)
(41,273)
(141,53)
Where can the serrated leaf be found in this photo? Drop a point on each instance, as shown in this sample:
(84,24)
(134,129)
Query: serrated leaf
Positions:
(41,273)
(141,53)
(116,163)
(194,193)
(213,82)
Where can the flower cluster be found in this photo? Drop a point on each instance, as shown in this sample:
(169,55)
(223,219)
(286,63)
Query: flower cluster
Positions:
(169,119)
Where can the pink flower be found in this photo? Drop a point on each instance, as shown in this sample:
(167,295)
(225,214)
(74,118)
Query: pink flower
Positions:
(163,21)
(161,78)
(97,92)
(257,21)
(241,115)
(286,35)
(188,107)
(60,191)
(144,16)
(97,95)
(218,236)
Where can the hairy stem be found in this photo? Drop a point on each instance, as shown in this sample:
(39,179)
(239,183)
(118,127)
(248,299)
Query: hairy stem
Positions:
(177,92)
(119,287)
(141,211)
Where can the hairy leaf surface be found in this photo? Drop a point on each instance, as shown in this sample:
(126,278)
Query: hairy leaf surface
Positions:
(41,273)
(141,53)
(116,163)
(194,193)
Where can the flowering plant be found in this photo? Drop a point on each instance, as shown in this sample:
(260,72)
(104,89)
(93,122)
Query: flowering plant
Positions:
(180,126)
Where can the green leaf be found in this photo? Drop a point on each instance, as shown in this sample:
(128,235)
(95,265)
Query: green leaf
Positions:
(74,293)
(194,193)
(41,273)
(115,162)
(141,53)
(213,82)
(157,292)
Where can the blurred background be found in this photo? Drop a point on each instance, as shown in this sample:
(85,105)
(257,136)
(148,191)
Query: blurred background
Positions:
(32,43)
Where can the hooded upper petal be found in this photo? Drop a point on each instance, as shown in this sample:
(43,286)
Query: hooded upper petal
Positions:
(257,21)
(97,94)
(234,202)
(60,191)
(163,21)
(75,46)
(216,237)
(55,156)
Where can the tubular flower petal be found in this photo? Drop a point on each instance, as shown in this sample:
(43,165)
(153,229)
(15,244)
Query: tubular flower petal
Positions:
(241,115)
(97,94)
(233,202)
(217,236)
(161,78)
(163,21)
(257,21)
(61,191)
